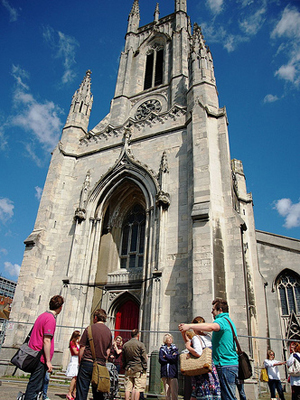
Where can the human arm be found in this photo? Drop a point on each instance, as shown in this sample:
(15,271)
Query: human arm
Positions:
(273,363)
(107,353)
(47,347)
(162,356)
(80,354)
(202,327)
(118,350)
(290,361)
(74,349)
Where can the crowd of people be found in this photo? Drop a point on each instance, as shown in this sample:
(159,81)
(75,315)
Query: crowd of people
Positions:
(97,344)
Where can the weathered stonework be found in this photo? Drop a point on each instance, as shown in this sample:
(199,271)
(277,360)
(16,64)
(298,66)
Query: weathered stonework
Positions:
(199,234)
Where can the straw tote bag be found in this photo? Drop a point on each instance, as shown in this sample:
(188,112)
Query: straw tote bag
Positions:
(192,366)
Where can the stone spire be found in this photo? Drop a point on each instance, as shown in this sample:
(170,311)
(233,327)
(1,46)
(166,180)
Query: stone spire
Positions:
(180,5)
(81,105)
(134,17)
(201,58)
(156,13)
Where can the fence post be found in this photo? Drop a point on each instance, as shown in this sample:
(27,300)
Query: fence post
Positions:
(154,378)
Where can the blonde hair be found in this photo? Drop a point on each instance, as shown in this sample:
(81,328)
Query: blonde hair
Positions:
(190,333)
(167,335)
(269,353)
(119,337)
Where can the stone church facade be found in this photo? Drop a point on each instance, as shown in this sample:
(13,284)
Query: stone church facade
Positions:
(147,216)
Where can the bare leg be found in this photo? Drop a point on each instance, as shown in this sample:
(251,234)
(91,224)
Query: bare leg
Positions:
(135,395)
(72,387)
(127,395)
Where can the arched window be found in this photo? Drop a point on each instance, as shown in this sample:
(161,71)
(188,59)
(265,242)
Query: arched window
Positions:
(288,285)
(133,239)
(154,68)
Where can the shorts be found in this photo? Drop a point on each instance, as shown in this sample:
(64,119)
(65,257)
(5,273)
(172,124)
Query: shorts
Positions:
(136,380)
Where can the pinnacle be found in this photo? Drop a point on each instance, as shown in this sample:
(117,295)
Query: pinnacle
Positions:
(135,8)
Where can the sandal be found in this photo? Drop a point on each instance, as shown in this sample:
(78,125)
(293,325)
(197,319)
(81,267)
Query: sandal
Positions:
(69,397)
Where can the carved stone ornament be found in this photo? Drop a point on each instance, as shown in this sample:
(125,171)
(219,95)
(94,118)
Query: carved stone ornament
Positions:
(163,199)
(80,214)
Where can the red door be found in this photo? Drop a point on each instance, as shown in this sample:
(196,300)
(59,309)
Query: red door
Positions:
(127,318)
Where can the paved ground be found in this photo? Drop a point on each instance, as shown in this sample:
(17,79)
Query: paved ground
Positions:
(9,390)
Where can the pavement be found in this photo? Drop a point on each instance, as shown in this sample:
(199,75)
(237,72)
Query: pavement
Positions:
(10,389)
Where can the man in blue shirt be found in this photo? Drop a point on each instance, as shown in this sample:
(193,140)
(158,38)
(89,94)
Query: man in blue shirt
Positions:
(224,352)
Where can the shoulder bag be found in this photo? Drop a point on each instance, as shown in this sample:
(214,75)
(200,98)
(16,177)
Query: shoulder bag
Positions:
(192,366)
(100,374)
(245,368)
(26,358)
(294,369)
(264,377)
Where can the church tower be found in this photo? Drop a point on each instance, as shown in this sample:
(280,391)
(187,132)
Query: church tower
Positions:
(145,214)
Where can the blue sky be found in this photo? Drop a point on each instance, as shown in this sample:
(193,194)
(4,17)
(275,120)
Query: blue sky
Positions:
(47,46)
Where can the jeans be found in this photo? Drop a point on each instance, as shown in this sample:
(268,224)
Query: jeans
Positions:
(36,381)
(241,390)
(83,382)
(45,386)
(227,377)
(275,384)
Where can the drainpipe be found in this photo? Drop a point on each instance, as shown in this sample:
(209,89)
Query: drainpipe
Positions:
(243,228)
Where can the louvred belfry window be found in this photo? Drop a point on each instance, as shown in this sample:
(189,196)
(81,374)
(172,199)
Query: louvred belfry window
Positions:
(133,239)
(154,69)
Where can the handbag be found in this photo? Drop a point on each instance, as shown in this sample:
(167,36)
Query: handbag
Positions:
(264,377)
(100,375)
(294,369)
(245,368)
(26,358)
(192,366)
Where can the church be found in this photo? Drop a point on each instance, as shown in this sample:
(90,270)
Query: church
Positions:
(147,216)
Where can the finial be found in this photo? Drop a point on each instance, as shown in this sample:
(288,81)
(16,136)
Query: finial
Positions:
(156,13)
(135,8)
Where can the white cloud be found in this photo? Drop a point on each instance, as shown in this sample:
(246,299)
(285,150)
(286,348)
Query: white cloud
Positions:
(4,251)
(216,6)
(287,72)
(65,48)
(290,211)
(13,13)
(288,30)
(289,24)
(12,269)
(38,192)
(40,119)
(270,98)
(3,139)
(20,75)
(251,24)
(6,209)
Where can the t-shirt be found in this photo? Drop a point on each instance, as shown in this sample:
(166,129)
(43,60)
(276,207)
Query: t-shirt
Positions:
(102,338)
(199,343)
(273,372)
(73,347)
(223,345)
(45,324)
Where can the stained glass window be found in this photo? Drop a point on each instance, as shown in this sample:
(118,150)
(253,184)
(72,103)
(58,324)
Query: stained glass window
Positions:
(133,238)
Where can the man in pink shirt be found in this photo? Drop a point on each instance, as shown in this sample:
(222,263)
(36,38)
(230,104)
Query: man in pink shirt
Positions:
(42,339)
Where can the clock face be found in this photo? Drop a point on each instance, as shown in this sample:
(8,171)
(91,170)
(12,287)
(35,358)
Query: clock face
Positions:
(147,107)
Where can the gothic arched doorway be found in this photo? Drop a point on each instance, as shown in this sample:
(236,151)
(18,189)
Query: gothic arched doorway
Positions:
(127,317)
